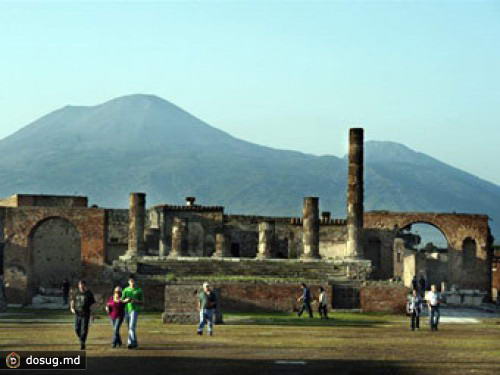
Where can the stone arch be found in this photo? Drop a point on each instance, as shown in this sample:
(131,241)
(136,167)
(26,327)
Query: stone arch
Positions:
(55,252)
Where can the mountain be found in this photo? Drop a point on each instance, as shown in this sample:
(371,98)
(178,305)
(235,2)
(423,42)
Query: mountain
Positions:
(144,143)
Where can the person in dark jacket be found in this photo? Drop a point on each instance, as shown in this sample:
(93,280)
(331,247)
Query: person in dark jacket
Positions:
(306,299)
(81,306)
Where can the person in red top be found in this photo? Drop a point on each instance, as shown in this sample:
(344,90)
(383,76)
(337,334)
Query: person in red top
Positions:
(115,307)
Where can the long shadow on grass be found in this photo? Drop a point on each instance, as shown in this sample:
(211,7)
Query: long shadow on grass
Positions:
(152,365)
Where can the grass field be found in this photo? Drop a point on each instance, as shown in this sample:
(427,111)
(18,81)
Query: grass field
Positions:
(263,344)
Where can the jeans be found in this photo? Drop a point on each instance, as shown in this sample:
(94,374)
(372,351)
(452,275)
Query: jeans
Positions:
(435,314)
(322,310)
(206,316)
(306,305)
(415,320)
(132,324)
(82,327)
(116,323)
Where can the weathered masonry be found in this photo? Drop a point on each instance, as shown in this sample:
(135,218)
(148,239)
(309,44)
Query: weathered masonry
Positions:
(44,239)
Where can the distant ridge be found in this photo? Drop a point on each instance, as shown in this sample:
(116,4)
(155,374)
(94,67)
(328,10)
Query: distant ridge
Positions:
(145,143)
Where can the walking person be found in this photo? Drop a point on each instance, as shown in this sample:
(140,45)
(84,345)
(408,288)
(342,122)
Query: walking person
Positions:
(115,307)
(322,303)
(306,301)
(433,300)
(133,297)
(415,309)
(65,291)
(207,303)
(81,306)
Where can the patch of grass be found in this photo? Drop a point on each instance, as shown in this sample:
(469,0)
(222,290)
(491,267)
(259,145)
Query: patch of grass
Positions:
(376,344)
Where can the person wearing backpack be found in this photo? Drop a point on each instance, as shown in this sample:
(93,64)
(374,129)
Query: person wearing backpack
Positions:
(306,301)
(81,306)
(207,303)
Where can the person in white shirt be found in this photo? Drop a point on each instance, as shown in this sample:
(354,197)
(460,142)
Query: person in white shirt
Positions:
(433,300)
(322,303)
(414,308)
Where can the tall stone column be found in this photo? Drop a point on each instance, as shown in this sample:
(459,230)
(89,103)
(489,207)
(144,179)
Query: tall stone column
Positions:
(355,195)
(266,237)
(310,227)
(179,232)
(137,219)
(221,245)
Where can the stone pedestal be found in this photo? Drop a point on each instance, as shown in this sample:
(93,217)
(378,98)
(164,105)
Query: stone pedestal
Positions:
(355,195)
(179,237)
(310,225)
(137,218)
(266,238)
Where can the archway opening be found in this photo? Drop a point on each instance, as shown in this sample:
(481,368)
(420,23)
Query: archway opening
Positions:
(425,255)
(55,252)
(424,237)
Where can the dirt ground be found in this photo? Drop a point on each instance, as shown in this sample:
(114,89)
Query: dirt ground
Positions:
(270,344)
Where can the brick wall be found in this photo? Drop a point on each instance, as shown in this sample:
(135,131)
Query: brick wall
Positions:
(383,298)
(181,298)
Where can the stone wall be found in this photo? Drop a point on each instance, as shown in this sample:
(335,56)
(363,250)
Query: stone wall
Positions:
(25,200)
(248,297)
(384,298)
(20,225)
(117,222)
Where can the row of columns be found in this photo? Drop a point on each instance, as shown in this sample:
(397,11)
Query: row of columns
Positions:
(311,221)
(137,216)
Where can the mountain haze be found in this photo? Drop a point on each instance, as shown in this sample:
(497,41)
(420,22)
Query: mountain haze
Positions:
(144,143)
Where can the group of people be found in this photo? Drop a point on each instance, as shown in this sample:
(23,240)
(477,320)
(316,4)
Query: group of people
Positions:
(415,307)
(126,304)
(123,304)
(306,298)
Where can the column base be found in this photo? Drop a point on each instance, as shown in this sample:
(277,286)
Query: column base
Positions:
(310,257)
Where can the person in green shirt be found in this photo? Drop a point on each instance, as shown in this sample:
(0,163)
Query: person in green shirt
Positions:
(134,298)
(207,302)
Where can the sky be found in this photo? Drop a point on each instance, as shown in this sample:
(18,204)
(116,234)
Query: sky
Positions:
(286,74)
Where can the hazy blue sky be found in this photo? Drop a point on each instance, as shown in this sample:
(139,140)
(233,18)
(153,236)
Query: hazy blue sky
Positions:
(288,74)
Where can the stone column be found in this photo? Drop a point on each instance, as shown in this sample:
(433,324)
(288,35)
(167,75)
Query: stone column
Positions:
(179,229)
(221,245)
(310,227)
(355,195)
(137,218)
(163,245)
(266,237)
